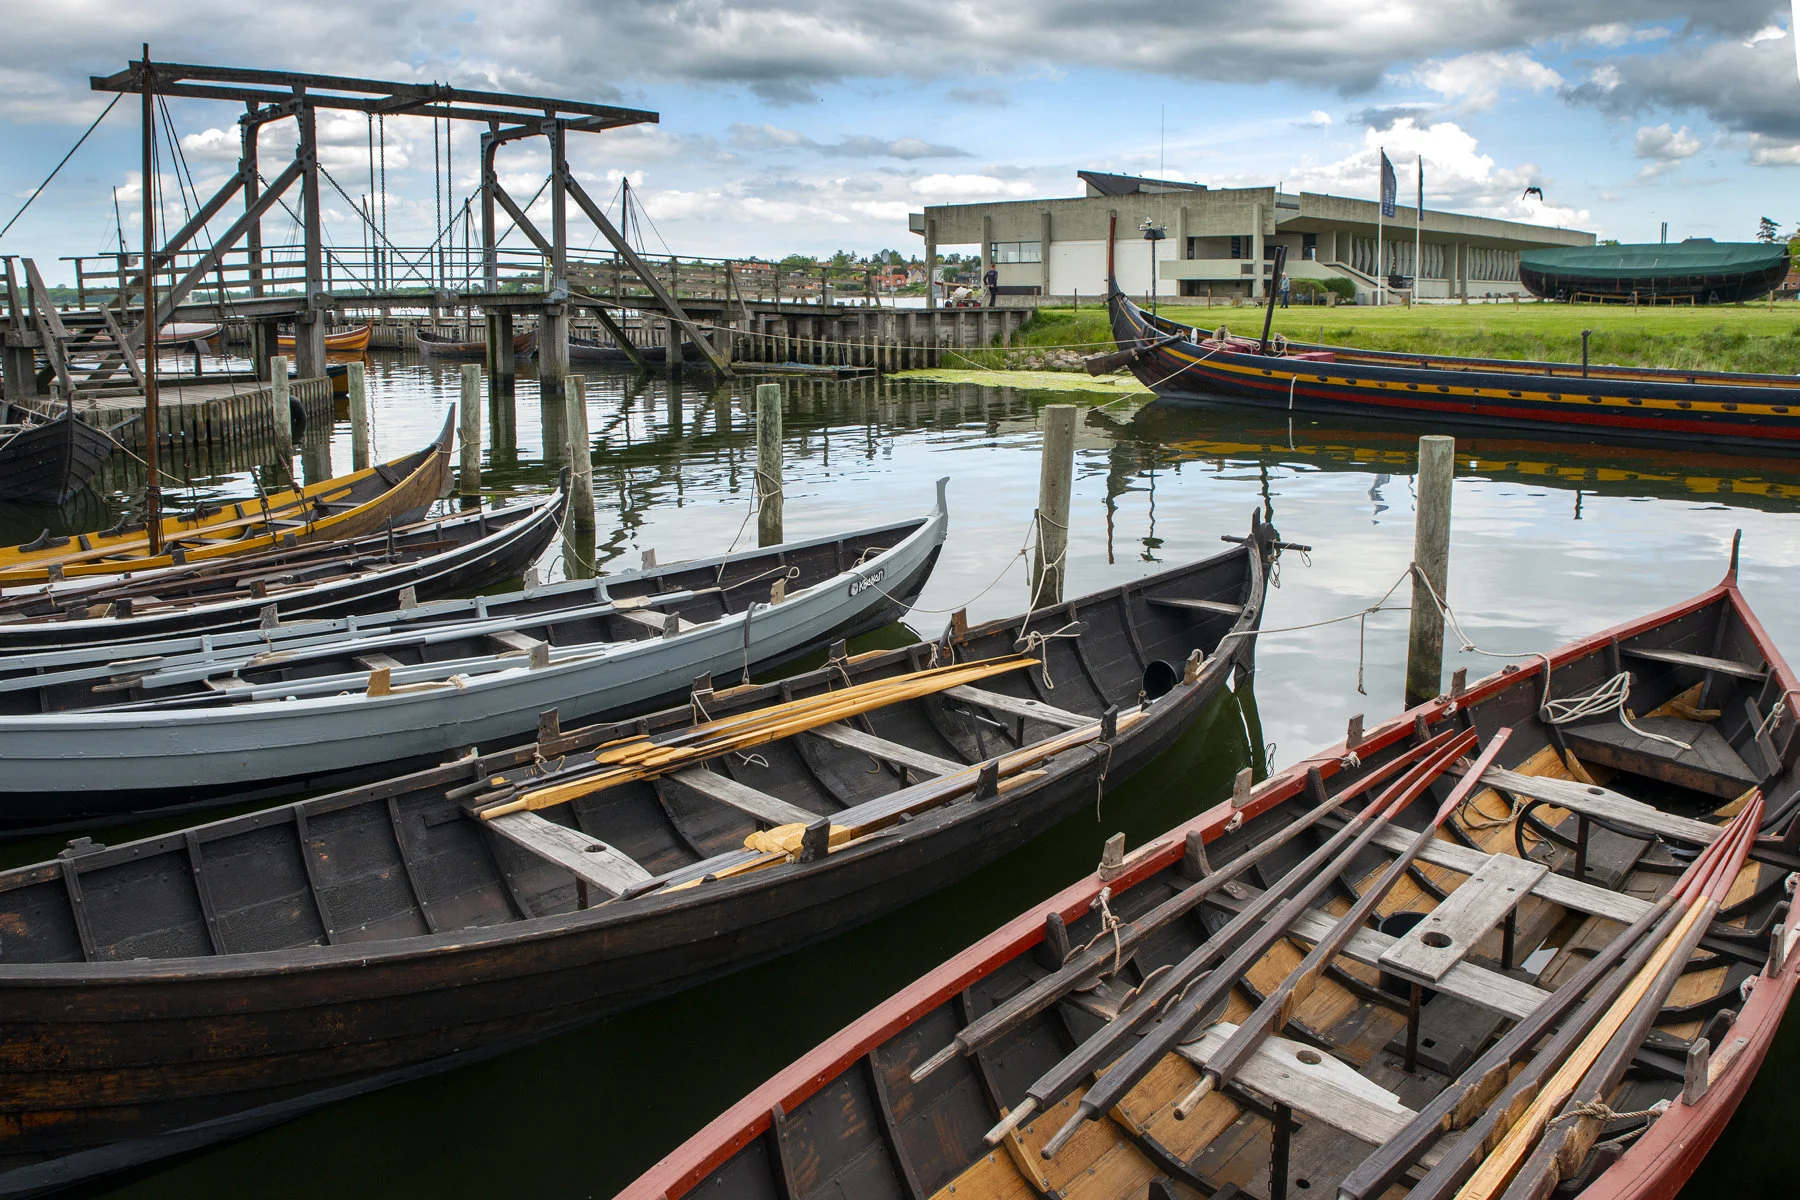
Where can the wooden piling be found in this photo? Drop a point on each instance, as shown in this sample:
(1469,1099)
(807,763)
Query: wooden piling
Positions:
(361,443)
(1055,484)
(278,401)
(468,479)
(1431,557)
(581,453)
(768,464)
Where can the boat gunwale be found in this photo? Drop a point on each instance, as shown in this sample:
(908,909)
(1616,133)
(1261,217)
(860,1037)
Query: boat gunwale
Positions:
(709,1148)
(425,948)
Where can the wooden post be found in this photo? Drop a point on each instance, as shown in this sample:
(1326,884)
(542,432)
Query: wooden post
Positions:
(1431,558)
(1055,483)
(581,453)
(468,479)
(278,400)
(361,449)
(768,464)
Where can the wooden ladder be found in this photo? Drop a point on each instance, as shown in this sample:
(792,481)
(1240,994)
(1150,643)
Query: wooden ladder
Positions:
(83,331)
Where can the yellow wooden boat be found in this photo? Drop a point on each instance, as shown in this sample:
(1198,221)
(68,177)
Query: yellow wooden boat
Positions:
(346,506)
(346,341)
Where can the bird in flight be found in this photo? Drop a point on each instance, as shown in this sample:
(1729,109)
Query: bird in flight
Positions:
(1533,190)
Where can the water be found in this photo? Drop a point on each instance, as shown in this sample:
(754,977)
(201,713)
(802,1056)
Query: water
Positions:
(1550,541)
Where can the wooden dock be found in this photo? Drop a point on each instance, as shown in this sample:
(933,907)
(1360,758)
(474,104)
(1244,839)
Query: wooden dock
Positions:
(231,415)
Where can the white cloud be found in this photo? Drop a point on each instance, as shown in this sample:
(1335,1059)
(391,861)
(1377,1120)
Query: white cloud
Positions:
(1319,119)
(1614,34)
(1665,143)
(1773,152)
(1475,81)
(1767,33)
(952,188)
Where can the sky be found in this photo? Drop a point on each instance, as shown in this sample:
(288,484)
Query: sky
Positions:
(810,126)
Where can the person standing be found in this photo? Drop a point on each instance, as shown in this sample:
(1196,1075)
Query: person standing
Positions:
(991,281)
(1285,288)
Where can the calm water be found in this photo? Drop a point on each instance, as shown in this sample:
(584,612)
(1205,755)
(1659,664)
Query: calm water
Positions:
(1550,540)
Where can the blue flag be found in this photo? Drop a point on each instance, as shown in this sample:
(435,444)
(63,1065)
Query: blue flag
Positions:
(1390,186)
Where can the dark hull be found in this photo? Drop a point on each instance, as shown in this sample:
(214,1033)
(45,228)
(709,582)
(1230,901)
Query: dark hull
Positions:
(602,352)
(50,462)
(1656,406)
(123,1061)
(474,561)
(847,1118)
(1702,289)
(524,344)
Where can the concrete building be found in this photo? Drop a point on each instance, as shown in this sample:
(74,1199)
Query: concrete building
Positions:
(1215,237)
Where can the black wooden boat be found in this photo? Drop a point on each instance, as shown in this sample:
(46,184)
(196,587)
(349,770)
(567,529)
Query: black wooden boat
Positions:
(1710,410)
(582,350)
(433,345)
(1064,1054)
(179,990)
(312,582)
(48,459)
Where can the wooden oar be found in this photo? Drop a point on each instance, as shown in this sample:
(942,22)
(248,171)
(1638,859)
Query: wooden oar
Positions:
(639,758)
(1565,1144)
(1311,876)
(1090,963)
(1476,1095)
(1499,1168)
(1277,1008)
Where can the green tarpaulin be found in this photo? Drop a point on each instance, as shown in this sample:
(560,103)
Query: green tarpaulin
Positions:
(1653,262)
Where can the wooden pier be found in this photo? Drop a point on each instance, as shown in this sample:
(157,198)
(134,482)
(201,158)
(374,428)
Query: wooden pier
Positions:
(205,413)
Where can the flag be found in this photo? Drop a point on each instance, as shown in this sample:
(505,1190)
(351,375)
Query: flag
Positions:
(1421,210)
(1390,186)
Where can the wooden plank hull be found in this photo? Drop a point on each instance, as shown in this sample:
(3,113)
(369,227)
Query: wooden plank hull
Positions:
(1752,413)
(524,345)
(118,1061)
(849,1115)
(347,506)
(174,751)
(49,462)
(473,551)
(345,341)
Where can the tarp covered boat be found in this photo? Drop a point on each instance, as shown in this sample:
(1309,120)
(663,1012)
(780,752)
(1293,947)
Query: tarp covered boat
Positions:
(48,459)
(1701,270)
(217,979)
(1324,987)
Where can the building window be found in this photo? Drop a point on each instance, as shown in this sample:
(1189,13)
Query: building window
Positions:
(1193,250)
(1309,246)
(1237,247)
(1016,252)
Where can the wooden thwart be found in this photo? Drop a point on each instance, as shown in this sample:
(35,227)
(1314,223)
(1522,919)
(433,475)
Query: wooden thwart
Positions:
(1018,706)
(1557,889)
(839,734)
(1707,763)
(1723,666)
(1450,931)
(764,807)
(1610,806)
(588,859)
(1218,607)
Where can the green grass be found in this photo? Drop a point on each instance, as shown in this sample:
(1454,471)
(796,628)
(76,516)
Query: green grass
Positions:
(1726,338)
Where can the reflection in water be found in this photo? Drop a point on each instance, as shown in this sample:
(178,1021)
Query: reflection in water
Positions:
(1550,540)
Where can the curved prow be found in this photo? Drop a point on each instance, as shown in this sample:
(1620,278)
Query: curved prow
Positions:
(1737,539)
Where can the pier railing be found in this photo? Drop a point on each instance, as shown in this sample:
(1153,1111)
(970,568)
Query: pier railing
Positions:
(428,272)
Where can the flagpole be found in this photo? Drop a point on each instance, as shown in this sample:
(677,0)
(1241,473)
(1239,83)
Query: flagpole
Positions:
(1380,207)
(1419,232)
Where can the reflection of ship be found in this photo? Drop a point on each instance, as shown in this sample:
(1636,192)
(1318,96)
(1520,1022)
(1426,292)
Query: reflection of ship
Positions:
(1169,434)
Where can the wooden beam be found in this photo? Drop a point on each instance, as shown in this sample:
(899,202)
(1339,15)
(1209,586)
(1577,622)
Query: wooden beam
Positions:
(1450,932)
(1233,611)
(1609,806)
(771,810)
(588,859)
(1019,707)
(620,338)
(1557,889)
(1701,662)
(839,734)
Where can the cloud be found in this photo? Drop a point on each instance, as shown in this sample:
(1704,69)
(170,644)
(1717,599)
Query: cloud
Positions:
(954,188)
(990,96)
(1665,143)
(1318,119)
(1382,116)
(1746,87)
(1474,81)
(773,137)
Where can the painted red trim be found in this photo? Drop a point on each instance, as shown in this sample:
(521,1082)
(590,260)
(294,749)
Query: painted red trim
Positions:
(688,1164)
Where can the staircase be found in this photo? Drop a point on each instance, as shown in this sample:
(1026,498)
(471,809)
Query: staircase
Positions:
(89,352)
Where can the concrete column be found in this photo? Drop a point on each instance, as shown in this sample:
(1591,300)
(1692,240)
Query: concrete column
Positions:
(987,254)
(553,350)
(1181,232)
(1256,254)
(1331,248)
(1044,254)
(930,263)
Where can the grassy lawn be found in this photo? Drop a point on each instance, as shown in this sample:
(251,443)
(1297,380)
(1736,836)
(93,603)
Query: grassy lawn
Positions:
(1726,337)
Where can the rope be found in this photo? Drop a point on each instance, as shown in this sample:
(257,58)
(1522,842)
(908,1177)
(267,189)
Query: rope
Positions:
(1599,1110)
(59,166)
(1109,925)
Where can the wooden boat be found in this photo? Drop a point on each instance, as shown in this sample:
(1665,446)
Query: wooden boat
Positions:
(354,340)
(48,459)
(347,506)
(433,346)
(582,350)
(267,594)
(1711,410)
(351,707)
(225,977)
(1064,1054)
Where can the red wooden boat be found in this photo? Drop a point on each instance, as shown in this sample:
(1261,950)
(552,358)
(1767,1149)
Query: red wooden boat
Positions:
(1384,1070)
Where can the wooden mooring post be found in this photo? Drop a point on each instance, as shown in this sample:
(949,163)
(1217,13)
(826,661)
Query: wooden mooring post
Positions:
(362,449)
(581,453)
(1056,479)
(278,399)
(468,479)
(1431,562)
(768,464)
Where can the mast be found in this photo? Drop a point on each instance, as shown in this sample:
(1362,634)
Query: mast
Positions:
(152,478)
(625,206)
(1419,231)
